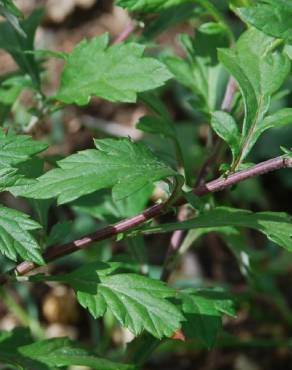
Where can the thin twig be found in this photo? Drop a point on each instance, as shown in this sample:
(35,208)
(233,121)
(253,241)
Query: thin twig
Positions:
(55,252)
(225,106)
(130,27)
(174,245)
(236,177)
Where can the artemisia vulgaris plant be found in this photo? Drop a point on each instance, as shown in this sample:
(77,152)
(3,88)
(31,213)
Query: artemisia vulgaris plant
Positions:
(233,84)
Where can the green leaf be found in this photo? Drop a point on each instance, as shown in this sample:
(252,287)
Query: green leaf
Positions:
(157,125)
(102,206)
(10,89)
(15,179)
(154,102)
(203,311)
(120,164)
(59,233)
(26,174)
(138,302)
(278,119)
(241,3)
(200,72)
(15,237)
(45,54)
(8,177)
(273,17)
(252,63)
(12,14)
(115,73)
(276,226)
(225,126)
(146,6)
(17,45)
(170,17)
(15,149)
(163,125)
(17,337)
(49,354)
(287,151)
(10,6)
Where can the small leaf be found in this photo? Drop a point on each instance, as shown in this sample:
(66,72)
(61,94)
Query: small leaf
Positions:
(120,164)
(12,14)
(280,118)
(287,151)
(10,6)
(277,119)
(225,126)
(200,71)
(15,238)
(273,17)
(102,206)
(252,63)
(157,125)
(203,310)
(49,354)
(138,302)
(45,53)
(17,45)
(148,6)
(115,73)
(211,28)
(10,88)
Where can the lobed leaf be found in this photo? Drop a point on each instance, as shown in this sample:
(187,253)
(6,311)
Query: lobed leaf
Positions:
(15,237)
(122,165)
(203,310)
(49,354)
(138,302)
(276,226)
(15,149)
(115,73)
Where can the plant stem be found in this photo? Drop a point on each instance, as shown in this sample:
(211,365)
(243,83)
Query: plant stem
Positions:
(219,184)
(225,106)
(130,27)
(177,238)
(236,177)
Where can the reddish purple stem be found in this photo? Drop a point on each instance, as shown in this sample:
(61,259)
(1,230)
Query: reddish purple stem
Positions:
(54,252)
(130,27)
